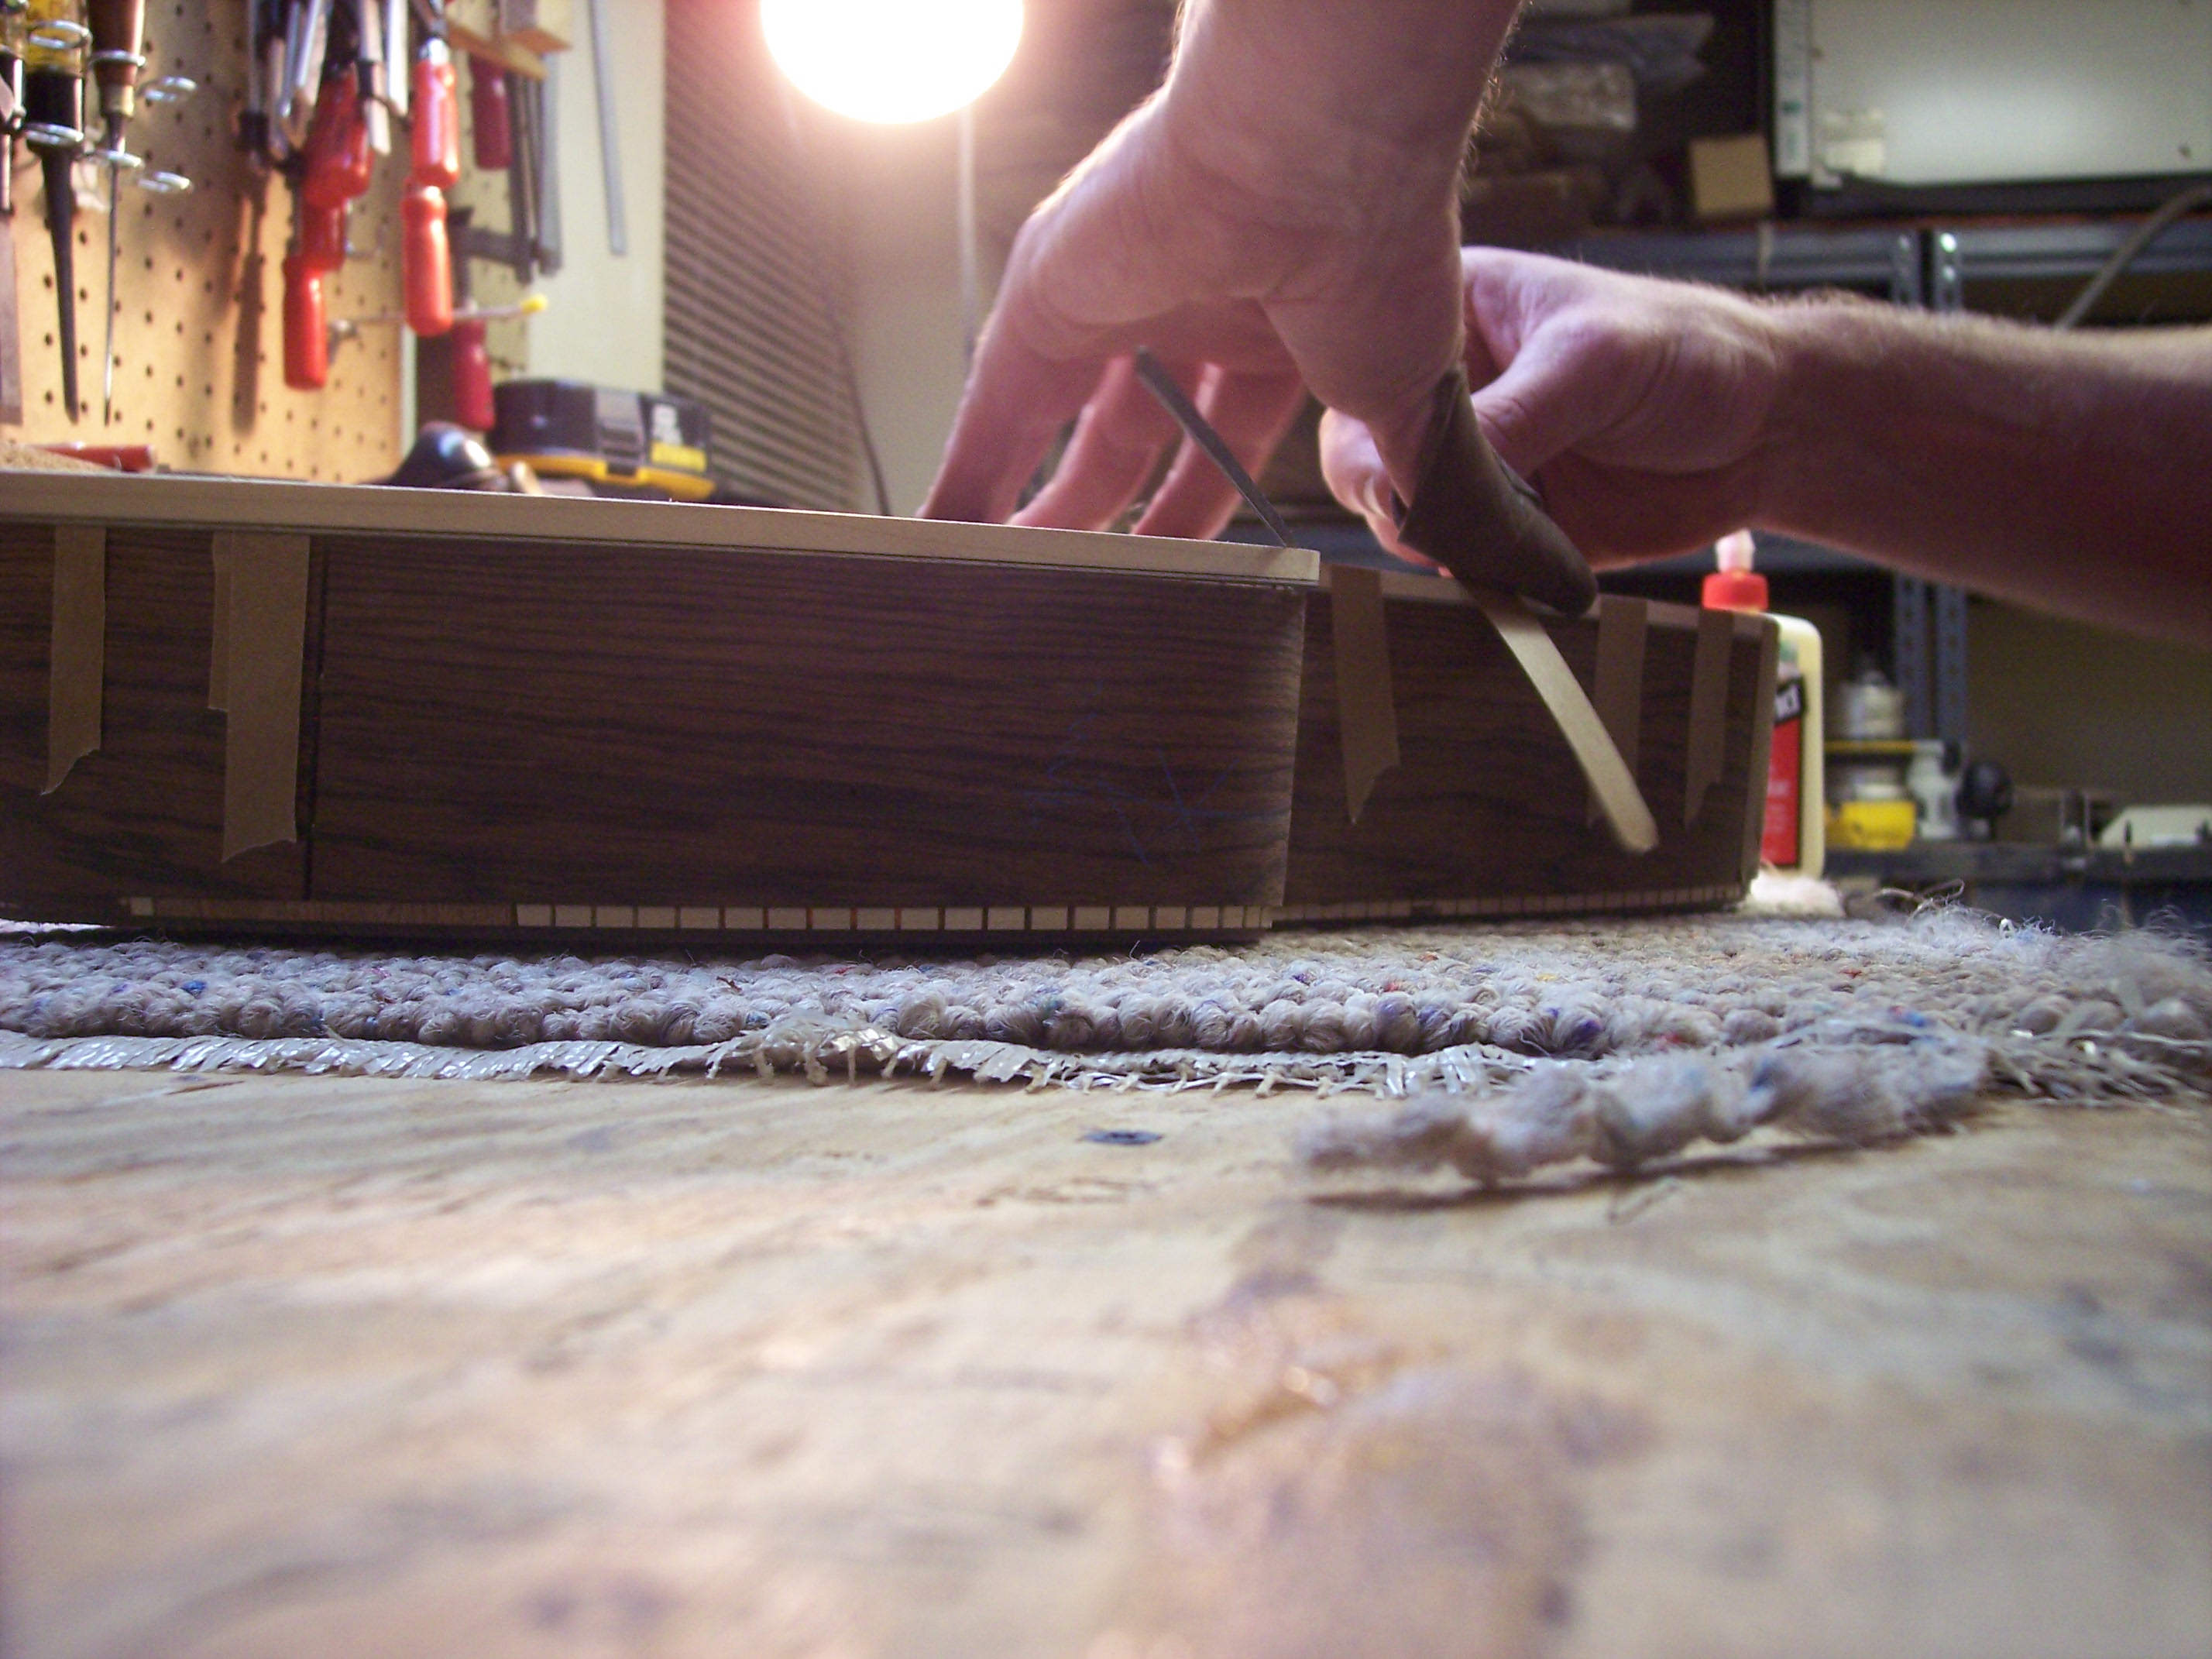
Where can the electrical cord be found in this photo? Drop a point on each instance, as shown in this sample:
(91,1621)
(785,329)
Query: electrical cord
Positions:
(2172,210)
(832,318)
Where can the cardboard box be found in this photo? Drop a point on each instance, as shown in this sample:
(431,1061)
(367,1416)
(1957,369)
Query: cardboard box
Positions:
(1729,178)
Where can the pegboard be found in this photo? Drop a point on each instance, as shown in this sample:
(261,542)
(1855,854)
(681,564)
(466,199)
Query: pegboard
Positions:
(200,290)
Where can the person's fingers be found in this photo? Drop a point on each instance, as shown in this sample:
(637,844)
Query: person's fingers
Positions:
(1015,404)
(1251,412)
(1117,442)
(1352,466)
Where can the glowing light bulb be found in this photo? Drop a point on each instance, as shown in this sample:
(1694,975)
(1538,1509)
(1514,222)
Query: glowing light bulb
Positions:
(892,60)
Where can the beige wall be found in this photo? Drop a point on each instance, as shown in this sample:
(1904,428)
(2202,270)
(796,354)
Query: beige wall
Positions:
(2074,707)
(905,322)
(604,322)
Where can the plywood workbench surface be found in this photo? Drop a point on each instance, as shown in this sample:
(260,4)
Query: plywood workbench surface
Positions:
(340,1366)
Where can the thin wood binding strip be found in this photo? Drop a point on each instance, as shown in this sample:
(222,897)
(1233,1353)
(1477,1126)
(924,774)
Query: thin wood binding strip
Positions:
(1709,678)
(277,504)
(1618,798)
(76,662)
(1618,691)
(259,636)
(1510,904)
(1366,704)
(1762,744)
(776,920)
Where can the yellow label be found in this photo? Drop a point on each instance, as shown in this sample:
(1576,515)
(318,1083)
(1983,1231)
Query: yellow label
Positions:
(678,455)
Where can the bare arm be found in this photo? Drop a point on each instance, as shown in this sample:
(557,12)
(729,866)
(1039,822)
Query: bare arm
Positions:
(1281,215)
(2072,472)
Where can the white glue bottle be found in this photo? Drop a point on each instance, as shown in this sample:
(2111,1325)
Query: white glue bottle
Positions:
(1795,839)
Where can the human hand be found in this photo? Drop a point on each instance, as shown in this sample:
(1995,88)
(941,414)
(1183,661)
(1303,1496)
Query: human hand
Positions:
(1639,406)
(1281,218)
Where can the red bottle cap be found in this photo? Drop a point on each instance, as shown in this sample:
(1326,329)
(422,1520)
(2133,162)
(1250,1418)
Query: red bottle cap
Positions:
(1736,590)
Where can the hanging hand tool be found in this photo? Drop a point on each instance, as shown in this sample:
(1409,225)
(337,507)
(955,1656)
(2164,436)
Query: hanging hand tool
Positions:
(395,56)
(264,41)
(435,154)
(53,106)
(306,43)
(332,171)
(11,122)
(119,26)
(371,80)
(490,118)
(603,83)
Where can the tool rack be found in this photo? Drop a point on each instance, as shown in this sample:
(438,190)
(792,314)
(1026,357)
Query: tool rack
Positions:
(199,291)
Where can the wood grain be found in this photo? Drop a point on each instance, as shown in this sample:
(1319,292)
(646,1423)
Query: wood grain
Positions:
(350,1367)
(143,814)
(1488,802)
(524,722)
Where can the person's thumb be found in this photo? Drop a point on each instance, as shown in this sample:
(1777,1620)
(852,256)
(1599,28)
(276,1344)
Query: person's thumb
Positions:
(1351,464)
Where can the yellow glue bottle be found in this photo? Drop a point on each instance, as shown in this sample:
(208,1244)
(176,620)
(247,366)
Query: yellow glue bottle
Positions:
(1795,839)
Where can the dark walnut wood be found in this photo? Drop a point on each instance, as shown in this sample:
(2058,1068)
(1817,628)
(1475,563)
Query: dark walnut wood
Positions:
(1487,801)
(622,725)
(143,813)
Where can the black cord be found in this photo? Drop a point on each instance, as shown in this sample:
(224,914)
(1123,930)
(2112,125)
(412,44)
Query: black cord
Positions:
(2145,233)
(830,318)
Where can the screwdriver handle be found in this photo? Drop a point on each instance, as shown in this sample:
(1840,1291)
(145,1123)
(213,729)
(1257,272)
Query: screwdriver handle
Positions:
(472,376)
(435,149)
(307,336)
(118,29)
(322,236)
(339,164)
(487,117)
(428,258)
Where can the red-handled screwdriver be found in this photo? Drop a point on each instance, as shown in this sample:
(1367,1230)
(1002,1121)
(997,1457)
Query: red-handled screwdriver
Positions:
(335,167)
(489,130)
(435,154)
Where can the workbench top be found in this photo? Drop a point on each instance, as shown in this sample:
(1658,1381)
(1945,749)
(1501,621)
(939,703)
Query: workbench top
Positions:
(328,1366)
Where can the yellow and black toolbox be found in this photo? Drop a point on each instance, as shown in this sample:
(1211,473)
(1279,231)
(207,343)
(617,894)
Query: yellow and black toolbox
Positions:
(618,442)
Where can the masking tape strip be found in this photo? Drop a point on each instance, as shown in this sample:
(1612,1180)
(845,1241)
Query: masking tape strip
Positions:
(1366,705)
(77,661)
(1619,692)
(1709,678)
(1762,745)
(261,629)
(1608,776)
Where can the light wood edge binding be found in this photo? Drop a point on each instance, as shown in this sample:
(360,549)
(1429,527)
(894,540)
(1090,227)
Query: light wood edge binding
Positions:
(361,509)
(77,657)
(906,921)
(1761,760)
(1617,798)
(1706,748)
(1623,627)
(1366,699)
(1510,904)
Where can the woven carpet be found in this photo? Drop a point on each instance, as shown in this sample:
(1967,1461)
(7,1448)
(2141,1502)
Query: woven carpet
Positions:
(1605,1019)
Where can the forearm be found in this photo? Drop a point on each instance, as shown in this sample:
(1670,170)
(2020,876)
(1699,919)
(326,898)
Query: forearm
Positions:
(2068,472)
